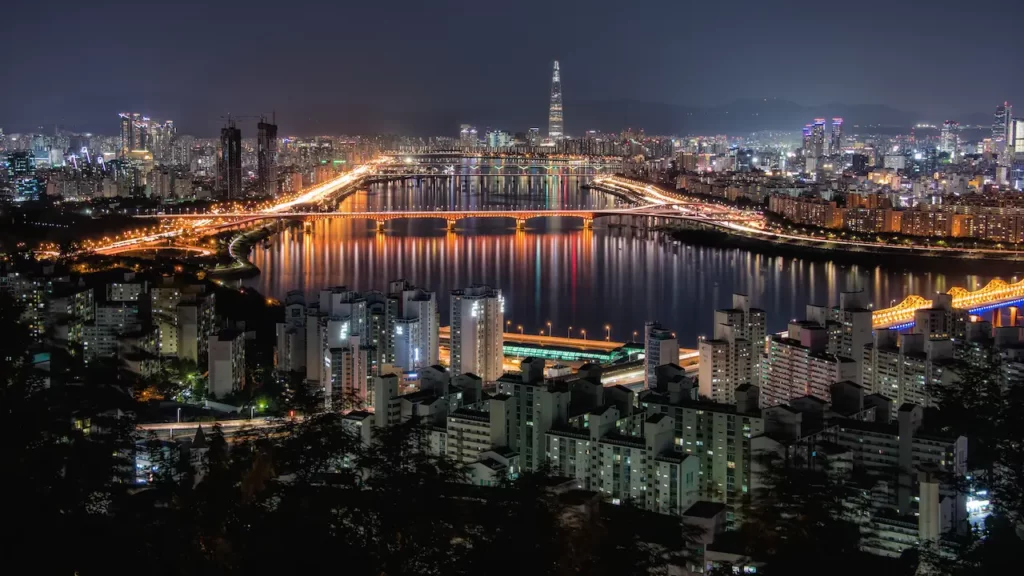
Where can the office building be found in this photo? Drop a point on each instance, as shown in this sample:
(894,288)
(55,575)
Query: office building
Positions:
(556,125)
(533,137)
(1001,127)
(226,363)
(660,347)
(477,318)
(229,162)
(949,138)
(127,133)
(266,158)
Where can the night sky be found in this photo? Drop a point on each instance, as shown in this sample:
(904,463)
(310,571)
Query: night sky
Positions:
(420,67)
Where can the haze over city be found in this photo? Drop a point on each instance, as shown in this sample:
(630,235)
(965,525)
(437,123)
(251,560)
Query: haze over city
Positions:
(419,68)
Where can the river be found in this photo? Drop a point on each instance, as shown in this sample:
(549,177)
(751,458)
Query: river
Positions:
(557,272)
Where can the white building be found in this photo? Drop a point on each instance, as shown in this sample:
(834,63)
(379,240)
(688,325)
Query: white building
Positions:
(226,363)
(414,322)
(290,351)
(660,347)
(112,319)
(477,332)
(644,468)
(799,365)
(903,367)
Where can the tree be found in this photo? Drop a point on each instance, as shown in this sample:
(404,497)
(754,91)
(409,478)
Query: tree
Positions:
(802,516)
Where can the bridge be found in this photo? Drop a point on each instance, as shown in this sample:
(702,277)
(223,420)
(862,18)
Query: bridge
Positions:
(452,158)
(995,294)
(645,214)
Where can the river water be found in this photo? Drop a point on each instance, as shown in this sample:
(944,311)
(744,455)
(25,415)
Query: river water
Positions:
(557,272)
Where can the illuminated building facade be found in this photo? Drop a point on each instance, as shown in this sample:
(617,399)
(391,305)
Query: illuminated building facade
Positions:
(556,126)
(477,332)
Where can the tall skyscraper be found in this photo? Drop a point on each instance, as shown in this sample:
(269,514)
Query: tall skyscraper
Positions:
(835,147)
(127,132)
(1001,125)
(818,137)
(949,138)
(266,157)
(556,127)
(229,161)
(477,324)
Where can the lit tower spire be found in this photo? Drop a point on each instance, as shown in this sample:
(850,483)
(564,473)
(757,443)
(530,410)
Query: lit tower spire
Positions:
(555,124)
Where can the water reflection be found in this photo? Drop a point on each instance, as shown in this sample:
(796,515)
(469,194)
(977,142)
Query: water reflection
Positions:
(555,271)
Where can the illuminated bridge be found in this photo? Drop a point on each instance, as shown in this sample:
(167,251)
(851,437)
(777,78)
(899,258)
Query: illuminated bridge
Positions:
(468,159)
(637,215)
(995,294)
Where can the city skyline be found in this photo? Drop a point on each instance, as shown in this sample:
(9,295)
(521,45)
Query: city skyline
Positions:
(310,99)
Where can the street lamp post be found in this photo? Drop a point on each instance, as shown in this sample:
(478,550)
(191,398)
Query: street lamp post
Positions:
(608,332)
(568,333)
(584,334)
(520,329)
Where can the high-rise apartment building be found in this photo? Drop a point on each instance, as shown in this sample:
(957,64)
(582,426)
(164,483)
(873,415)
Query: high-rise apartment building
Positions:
(818,137)
(556,126)
(336,350)
(229,162)
(731,358)
(660,347)
(413,323)
(799,364)
(266,157)
(227,363)
(477,332)
(835,148)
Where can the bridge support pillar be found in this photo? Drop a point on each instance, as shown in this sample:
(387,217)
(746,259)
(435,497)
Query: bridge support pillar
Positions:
(450,224)
(380,226)
(520,224)
(588,223)
(1013,315)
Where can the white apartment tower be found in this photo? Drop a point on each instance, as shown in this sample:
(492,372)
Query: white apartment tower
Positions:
(732,357)
(414,321)
(477,323)
(660,347)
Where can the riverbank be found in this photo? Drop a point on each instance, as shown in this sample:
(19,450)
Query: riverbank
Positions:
(239,249)
(922,259)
